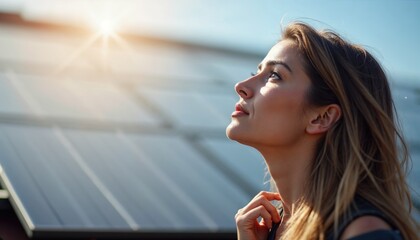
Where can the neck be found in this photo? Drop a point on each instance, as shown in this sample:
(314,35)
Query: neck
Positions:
(289,168)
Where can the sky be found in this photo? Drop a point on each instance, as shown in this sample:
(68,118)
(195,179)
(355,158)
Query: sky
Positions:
(389,29)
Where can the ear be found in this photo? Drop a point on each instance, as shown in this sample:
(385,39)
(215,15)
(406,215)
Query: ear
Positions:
(323,119)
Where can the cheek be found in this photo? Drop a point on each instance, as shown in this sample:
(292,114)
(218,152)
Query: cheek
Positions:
(280,116)
(282,103)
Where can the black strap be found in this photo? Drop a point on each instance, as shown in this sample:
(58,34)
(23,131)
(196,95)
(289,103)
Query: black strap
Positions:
(273,230)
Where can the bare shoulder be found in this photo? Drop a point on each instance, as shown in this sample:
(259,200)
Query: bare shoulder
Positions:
(363,225)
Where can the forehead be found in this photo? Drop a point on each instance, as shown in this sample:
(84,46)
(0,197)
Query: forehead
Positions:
(285,51)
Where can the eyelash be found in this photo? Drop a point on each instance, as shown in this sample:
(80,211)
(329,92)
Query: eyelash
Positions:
(271,74)
(276,74)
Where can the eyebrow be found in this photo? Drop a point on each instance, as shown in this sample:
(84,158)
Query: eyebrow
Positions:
(276,62)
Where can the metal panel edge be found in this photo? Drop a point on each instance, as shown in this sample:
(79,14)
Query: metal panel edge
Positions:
(17,205)
(48,233)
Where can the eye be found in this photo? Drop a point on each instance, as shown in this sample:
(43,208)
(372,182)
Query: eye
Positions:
(253,74)
(274,76)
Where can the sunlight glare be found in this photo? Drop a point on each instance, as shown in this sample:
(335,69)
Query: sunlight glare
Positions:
(106,28)
(104,20)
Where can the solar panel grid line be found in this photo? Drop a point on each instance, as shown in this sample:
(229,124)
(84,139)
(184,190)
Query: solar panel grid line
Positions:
(40,69)
(112,104)
(175,71)
(22,48)
(210,107)
(103,189)
(167,115)
(121,172)
(57,46)
(75,54)
(177,191)
(98,104)
(187,168)
(82,102)
(11,102)
(67,101)
(46,161)
(247,162)
(24,94)
(161,82)
(178,65)
(152,108)
(165,211)
(95,207)
(23,38)
(230,173)
(147,80)
(157,82)
(32,185)
(81,106)
(92,63)
(187,110)
(53,194)
(218,78)
(140,128)
(72,192)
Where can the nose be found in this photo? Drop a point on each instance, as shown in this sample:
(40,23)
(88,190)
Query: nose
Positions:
(243,90)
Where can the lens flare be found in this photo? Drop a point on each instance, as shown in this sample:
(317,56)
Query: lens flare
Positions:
(106,28)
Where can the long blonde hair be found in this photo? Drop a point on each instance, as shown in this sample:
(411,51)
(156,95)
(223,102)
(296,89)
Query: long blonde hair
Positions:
(364,153)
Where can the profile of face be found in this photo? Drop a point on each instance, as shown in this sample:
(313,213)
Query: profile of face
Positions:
(272,109)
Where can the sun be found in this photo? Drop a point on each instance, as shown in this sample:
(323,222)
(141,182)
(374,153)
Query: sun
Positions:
(106,28)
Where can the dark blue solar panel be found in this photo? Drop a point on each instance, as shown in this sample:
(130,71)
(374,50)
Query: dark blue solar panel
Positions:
(113,181)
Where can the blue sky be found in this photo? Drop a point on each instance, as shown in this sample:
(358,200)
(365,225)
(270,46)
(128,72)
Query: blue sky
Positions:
(390,29)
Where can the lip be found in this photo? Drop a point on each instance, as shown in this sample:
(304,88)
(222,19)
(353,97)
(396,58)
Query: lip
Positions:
(239,111)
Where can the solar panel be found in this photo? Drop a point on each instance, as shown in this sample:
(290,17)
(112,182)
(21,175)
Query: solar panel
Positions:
(247,162)
(71,99)
(19,45)
(11,102)
(204,110)
(167,63)
(71,179)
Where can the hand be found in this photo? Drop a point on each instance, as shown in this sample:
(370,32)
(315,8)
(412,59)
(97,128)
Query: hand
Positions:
(247,224)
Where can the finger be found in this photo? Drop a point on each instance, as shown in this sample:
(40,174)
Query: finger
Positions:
(267,219)
(250,218)
(265,214)
(269,195)
(261,201)
(266,204)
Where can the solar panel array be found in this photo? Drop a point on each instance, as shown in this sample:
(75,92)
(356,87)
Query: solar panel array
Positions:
(131,142)
(127,137)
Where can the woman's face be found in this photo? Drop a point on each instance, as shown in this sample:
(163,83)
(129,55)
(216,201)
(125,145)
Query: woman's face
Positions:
(270,111)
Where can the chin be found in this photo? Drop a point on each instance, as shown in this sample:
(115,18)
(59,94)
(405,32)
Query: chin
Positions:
(232,131)
(241,135)
(229,133)
(236,133)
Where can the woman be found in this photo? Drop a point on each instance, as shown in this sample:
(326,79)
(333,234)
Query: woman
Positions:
(320,112)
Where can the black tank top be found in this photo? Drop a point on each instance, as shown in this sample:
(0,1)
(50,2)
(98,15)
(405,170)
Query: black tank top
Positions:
(361,208)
